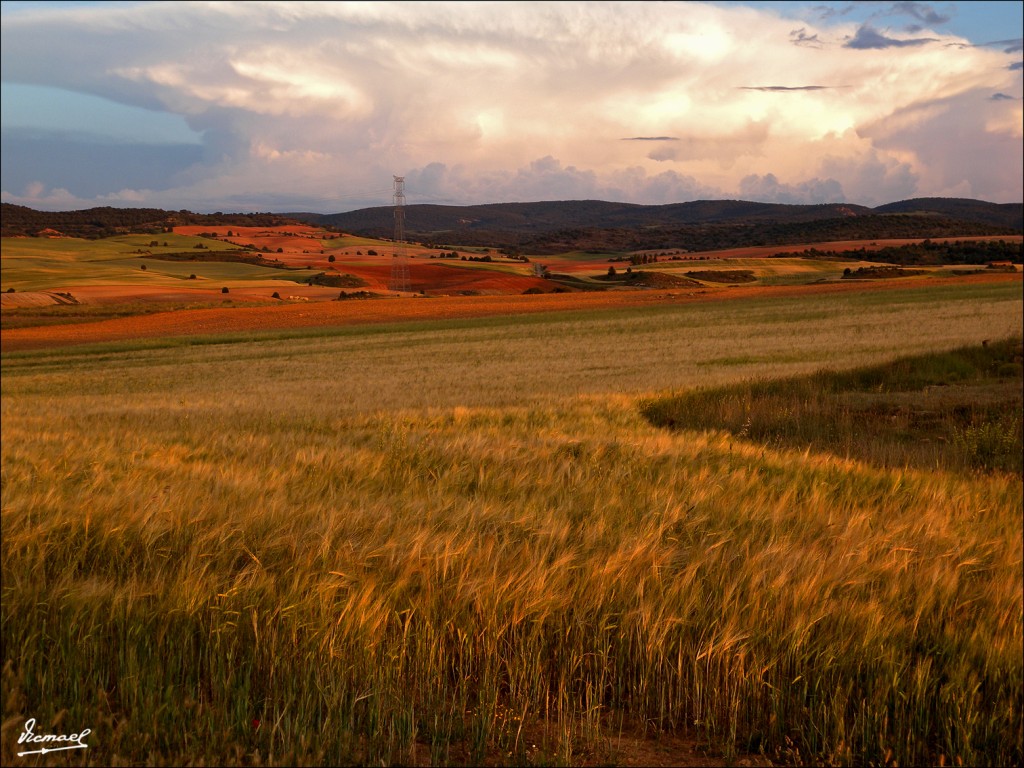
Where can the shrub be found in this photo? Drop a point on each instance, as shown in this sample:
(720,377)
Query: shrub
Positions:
(1009,370)
(991,444)
(224,290)
(331,258)
(192,276)
(275,295)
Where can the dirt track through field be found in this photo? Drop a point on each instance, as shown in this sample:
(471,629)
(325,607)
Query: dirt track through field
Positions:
(219,320)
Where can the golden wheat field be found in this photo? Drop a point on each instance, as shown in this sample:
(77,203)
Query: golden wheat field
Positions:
(460,542)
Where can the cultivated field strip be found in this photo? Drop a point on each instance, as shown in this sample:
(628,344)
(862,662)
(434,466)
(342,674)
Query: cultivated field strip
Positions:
(313,317)
(516,360)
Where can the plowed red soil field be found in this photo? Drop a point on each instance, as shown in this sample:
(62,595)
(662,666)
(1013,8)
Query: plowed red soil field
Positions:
(304,246)
(389,310)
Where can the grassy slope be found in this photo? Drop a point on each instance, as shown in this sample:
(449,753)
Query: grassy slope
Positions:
(443,541)
(31,264)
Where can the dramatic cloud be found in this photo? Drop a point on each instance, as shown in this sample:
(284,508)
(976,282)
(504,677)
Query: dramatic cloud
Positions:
(314,106)
(1015,45)
(870,39)
(783,88)
(91,165)
(926,14)
(768,189)
(959,145)
(871,178)
(800,37)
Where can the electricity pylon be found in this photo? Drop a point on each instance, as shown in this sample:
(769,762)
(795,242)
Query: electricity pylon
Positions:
(399,262)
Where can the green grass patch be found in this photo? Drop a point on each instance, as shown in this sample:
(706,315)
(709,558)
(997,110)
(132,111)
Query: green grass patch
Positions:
(723,275)
(79,249)
(60,314)
(958,410)
(599,257)
(352,241)
(35,264)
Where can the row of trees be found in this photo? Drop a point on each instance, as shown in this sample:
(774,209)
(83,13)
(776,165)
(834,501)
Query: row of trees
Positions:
(713,237)
(928,253)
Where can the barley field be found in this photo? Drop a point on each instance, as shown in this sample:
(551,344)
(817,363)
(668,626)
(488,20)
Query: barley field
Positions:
(463,543)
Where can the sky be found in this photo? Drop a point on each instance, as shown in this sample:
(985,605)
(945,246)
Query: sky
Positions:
(316,106)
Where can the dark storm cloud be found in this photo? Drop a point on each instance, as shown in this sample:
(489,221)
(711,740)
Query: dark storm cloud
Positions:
(90,166)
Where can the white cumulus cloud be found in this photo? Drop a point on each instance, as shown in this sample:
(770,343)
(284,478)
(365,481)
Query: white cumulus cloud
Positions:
(317,104)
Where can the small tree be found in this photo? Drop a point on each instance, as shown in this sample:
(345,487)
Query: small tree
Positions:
(612,272)
(331,258)
(224,289)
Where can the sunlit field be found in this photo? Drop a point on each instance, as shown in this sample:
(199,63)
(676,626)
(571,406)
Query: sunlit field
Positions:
(463,542)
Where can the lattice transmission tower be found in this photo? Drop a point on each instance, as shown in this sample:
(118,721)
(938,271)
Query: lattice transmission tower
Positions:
(400,262)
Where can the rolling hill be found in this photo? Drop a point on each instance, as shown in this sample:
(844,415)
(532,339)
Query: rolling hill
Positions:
(552,226)
(564,225)
(21,221)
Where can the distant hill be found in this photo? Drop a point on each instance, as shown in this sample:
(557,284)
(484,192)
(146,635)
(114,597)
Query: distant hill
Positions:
(997,214)
(565,225)
(549,227)
(550,216)
(18,220)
